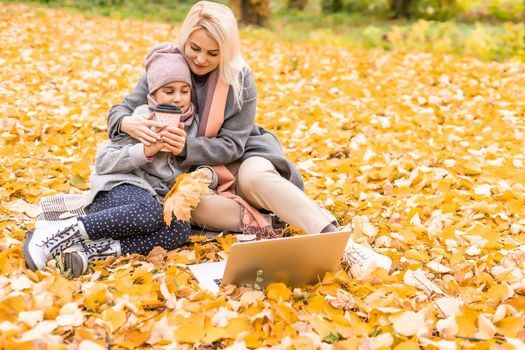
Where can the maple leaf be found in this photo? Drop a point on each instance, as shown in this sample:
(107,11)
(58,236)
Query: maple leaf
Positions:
(185,196)
(421,154)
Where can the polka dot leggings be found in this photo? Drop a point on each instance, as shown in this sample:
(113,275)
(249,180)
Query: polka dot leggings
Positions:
(135,218)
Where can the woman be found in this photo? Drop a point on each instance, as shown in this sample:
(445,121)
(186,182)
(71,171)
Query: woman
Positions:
(259,176)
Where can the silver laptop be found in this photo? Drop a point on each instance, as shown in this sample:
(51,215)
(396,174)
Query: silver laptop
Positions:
(294,260)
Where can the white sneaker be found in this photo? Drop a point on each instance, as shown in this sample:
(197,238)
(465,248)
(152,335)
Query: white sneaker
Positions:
(363,261)
(76,258)
(47,241)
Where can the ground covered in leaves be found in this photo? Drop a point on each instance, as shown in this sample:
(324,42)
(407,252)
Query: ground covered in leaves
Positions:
(423,155)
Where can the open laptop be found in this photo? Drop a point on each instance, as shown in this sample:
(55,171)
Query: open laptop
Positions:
(294,260)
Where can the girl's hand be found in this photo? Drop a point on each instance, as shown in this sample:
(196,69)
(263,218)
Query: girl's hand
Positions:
(174,139)
(139,127)
(154,148)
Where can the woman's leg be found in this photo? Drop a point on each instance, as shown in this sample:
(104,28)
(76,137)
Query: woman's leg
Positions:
(264,188)
(259,183)
(217,213)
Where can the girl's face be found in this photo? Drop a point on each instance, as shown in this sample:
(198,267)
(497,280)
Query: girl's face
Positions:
(177,94)
(202,52)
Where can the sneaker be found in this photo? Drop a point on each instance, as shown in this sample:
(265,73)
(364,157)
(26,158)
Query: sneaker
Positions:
(363,260)
(47,241)
(76,259)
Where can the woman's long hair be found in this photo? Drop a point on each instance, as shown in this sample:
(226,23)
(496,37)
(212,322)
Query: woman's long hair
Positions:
(220,23)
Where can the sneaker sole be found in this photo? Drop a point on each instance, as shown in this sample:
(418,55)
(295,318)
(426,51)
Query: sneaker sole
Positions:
(25,248)
(71,261)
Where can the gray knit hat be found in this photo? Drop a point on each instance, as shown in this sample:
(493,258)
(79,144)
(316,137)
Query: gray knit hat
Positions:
(165,64)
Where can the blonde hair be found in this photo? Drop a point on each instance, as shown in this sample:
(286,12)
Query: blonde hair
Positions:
(220,24)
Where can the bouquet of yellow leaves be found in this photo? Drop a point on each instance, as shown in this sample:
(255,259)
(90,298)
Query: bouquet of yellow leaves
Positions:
(185,195)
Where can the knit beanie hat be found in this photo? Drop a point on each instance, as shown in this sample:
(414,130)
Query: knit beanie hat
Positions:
(165,64)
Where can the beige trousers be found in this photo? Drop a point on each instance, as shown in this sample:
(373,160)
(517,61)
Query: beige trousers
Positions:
(259,184)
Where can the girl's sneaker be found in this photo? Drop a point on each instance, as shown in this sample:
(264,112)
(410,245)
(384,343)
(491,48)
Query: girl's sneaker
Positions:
(48,240)
(76,259)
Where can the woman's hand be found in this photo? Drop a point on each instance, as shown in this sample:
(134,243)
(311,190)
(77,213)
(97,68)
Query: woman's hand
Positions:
(205,173)
(139,127)
(174,139)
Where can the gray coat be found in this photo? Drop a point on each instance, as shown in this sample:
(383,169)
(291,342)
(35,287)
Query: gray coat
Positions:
(238,139)
(122,161)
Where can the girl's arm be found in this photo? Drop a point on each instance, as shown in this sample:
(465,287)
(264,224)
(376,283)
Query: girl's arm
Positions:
(122,155)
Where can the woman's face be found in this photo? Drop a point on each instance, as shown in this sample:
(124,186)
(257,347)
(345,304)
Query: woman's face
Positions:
(202,52)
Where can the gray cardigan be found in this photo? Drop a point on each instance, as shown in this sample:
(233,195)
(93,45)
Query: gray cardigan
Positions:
(238,139)
(122,161)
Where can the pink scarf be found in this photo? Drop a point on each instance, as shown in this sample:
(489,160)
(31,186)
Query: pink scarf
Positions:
(252,221)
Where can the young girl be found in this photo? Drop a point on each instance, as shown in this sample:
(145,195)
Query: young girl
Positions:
(129,183)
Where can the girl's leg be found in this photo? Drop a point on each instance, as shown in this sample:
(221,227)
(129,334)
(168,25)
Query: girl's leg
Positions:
(124,211)
(135,218)
(130,215)
(259,183)
(76,259)
(167,237)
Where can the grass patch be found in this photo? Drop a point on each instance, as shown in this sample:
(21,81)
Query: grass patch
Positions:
(158,10)
(488,40)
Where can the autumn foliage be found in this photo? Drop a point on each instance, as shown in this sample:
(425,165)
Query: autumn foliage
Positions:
(422,155)
(184,196)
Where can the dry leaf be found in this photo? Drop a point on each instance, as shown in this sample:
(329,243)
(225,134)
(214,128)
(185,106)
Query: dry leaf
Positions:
(31,318)
(42,329)
(90,345)
(448,306)
(157,255)
(418,279)
(423,163)
(447,327)
(160,332)
(278,292)
(184,196)
(70,315)
(408,323)
(384,340)
(251,297)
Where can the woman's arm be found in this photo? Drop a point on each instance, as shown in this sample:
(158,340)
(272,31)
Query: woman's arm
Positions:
(228,145)
(120,123)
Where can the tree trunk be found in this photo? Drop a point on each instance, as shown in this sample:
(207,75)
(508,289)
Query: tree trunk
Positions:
(254,12)
(297,4)
(401,8)
(331,6)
